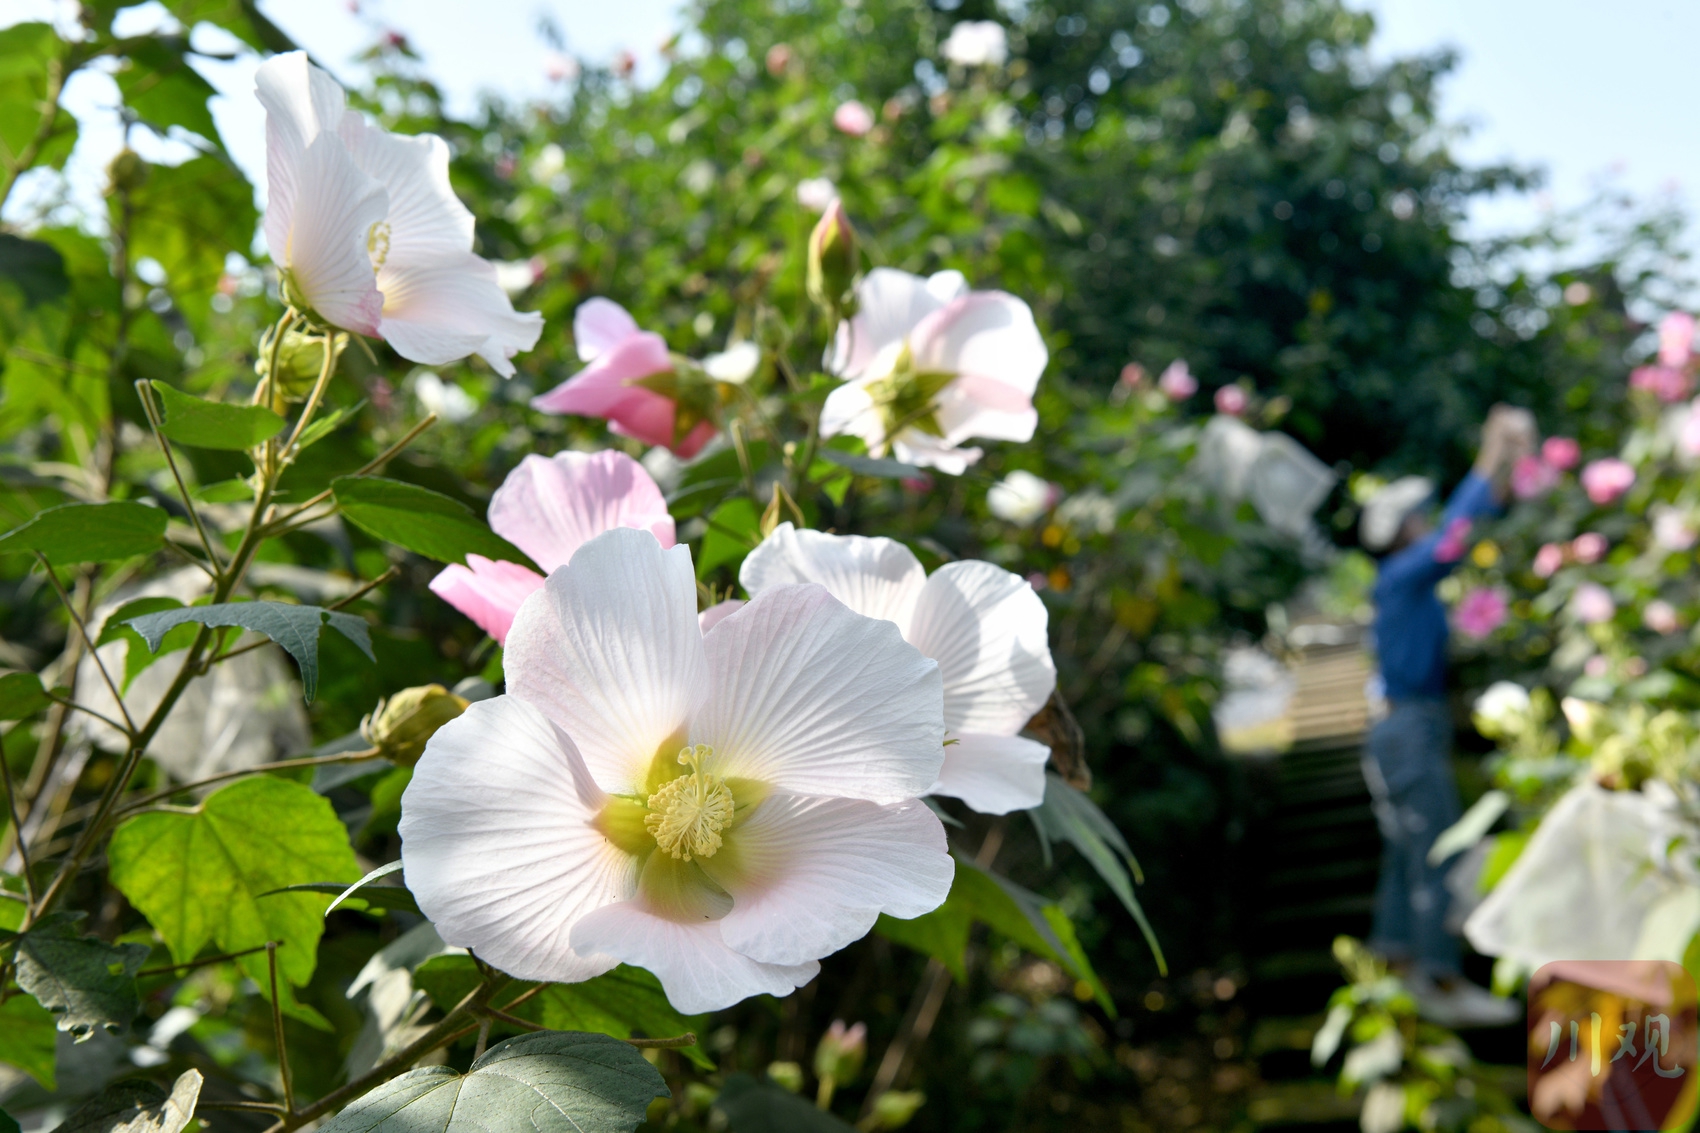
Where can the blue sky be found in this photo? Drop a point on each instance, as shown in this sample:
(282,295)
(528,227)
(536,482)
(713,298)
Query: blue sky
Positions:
(1589,91)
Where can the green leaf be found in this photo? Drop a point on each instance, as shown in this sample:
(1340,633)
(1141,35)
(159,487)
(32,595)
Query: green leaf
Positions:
(941,934)
(625,1002)
(35,268)
(761,1107)
(241,18)
(733,531)
(296,628)
(164,91)
(189,217)
(137,655)
(226,491)
(8,1123)
(85,981)
(198,877)
(1068,815)
(362,894)
(21,696)
(199,423)
(26,50)
(138,1106)
(28,1038)
(419,520)
(549,1082)
(871,466)
(327,424)
(89,533)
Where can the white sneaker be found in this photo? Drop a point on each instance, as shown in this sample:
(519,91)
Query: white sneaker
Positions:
(1458,1003)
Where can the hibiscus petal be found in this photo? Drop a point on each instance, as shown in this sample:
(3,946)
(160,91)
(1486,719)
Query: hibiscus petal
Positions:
(849,409)
(427,222)
(914,447)
(811,875)
(300,101)
(986,333)
(599,325)
(993,774)
(696,969)
(489,591)
(975,406)
(611,651)
(498,842)
(549,507)
(987,630)
(604,389)
(441,311)
(877,577)
(889,303)
(335,206)
(815,699)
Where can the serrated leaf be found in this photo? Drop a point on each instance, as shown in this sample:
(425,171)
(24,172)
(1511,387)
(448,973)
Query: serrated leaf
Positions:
(1069,815)
(21,696)
(296,628)
(625,1002)
(760,1107)
(419,520)
(548,1082)
(28,1038)
(84,981)
(198,877)
(138,1106)
(200,423)
(89,533)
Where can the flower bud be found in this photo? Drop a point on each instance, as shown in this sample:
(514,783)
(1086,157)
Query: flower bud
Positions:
(894,1108)
(403,723)
(126,172)
(788,1076)
(832,258)
(841,1051)
(299,360)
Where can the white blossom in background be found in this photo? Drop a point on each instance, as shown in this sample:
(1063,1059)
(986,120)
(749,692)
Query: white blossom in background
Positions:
(1021,497)
(736,364)
(721,808)
(977,43)
(929,364)
(1090,513)
(1503,704)
(368,233)
(816,193)
(984,626)
(446,399)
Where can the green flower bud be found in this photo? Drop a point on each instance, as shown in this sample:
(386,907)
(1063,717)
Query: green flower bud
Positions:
(841,1051)
(832,259)
(894,1108)
(126,172)
(403,723)
(299,360)
(787,1076)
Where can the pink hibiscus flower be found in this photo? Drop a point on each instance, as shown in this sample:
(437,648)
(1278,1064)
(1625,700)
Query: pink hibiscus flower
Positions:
(1482,611)
(549,507)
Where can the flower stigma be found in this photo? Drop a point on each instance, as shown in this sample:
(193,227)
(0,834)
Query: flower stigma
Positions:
(687,814)
(378,244)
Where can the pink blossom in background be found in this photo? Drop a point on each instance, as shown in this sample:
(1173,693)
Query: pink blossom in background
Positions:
(1230,400)
(1676,339)
(1592,604)
(1531,476)
(1547,560)
(1667,384)
(853,118)
(918,484)
(1482,611)
(619,356)
(1597,666)
(1132,376)
(1635,667)
(1037,580)
(1177,382)
(1672,528)
(1454,541)
(1606,479)
(549,507)
(1589,547)
(1563,453)
(1660,617)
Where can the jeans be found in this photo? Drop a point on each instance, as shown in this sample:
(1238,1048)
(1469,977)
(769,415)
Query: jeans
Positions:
(1407,765)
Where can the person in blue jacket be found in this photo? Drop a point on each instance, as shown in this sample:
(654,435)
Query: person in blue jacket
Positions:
(1407,761)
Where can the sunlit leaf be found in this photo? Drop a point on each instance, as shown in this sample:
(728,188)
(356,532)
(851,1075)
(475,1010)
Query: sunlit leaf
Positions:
(419,520)
(28,1038)
(138,1106)
(200,423)
(89,533)
(21,696)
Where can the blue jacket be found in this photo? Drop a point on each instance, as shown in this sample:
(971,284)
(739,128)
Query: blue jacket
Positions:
(1410,622)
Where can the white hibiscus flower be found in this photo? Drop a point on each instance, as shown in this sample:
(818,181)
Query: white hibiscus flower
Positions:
(368,232)
(983,625)
(722,808)
(929,364)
